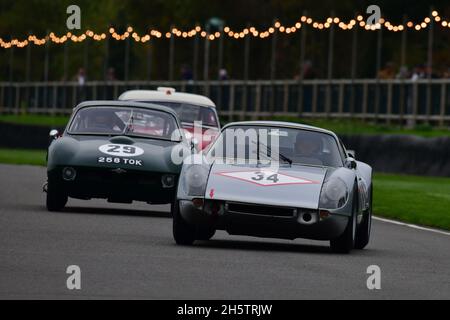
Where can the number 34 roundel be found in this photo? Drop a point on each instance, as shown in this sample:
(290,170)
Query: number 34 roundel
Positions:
(265,178)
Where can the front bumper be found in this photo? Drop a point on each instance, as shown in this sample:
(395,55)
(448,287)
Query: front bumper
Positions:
(263,225)
(120,187)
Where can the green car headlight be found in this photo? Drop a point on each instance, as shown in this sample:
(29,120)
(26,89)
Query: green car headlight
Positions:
(334,194)
(69,174)
(195,180)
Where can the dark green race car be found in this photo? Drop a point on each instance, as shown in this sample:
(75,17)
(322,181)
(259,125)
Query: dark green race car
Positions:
(119,151)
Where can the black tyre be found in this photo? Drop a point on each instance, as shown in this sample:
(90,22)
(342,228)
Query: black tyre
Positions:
(346,242)
(363,231)
(56,197)
(183,233)
(205,234)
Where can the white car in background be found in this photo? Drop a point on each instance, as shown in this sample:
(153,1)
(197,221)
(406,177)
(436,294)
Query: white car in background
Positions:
(189,108)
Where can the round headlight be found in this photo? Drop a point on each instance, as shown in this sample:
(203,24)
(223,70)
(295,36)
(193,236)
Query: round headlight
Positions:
(69,174)
(195,179)
(334,194)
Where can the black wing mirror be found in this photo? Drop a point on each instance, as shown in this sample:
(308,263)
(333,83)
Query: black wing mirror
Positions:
(351,154)
(351,163)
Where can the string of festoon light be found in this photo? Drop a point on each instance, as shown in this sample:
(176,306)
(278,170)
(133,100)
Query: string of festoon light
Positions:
(227,31)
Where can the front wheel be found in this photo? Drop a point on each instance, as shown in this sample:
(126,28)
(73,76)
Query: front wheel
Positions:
(56,198)
(183,233)
(363,232)
(346,242)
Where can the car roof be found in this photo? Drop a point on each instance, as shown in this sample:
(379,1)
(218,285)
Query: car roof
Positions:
(111,103)
(281,124)
(114,103)
(162,96)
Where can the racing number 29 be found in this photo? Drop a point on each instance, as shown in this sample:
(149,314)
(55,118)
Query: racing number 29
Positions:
(122,149)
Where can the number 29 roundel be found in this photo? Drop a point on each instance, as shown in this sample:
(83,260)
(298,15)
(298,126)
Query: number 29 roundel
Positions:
(121,150)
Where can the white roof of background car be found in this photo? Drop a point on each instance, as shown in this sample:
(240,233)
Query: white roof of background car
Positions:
(166,95)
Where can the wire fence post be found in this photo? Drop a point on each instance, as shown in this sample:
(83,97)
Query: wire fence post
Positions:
(246,75)
(46,59)
(196,51)
(402,76)
(11,77)
(302,63)
(28,73)
(106,60)
(46,69)
(28,63)
(127,59)
(378,68)
(353,71)
(273,69)
(206,64)
(430,65)
(221,44)
(171,53)
(66,61)
(330,67)
(11,64)
(220,65)
(65,73)
(86,57)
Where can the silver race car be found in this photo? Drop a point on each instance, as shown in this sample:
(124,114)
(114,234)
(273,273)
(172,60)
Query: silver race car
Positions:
(275,180)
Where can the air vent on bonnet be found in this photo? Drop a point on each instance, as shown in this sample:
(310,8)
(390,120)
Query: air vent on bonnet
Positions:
(122,140)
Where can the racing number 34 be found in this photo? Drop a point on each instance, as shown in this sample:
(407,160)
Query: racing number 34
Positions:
(260,176)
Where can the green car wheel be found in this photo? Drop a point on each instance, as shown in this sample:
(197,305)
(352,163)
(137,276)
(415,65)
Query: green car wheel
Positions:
(56,198)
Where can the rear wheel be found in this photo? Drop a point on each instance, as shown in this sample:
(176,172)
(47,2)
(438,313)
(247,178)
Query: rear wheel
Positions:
(183,233)
(346,242)
(56,198)
(363,231)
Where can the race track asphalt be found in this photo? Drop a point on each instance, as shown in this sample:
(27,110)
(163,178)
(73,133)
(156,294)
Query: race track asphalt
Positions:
(128,252)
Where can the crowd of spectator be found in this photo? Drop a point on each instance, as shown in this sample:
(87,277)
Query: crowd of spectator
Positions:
(422,71)
(389,71)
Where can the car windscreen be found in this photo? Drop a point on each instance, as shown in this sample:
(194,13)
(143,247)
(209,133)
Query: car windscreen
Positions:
(257,143)
(125,121)
(189,113)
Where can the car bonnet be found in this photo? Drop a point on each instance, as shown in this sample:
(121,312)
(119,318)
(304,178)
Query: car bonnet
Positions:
(289,186)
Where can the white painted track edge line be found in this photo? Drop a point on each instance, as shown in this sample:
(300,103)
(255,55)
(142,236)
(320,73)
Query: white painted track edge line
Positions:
(412,226)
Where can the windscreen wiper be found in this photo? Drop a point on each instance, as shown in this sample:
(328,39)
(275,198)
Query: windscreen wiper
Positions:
(282,156)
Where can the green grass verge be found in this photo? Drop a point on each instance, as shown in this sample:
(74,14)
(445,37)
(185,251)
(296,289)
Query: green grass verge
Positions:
(56,121)
(356,127)
(418,200)
(22,157)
